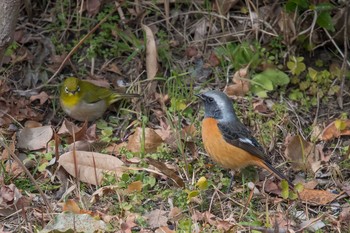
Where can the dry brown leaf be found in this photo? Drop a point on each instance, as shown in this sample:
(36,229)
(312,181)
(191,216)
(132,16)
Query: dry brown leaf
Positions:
(11,200)
(331,131)
(305,155)
(90,166)
(103,191)
(93,6)
(317,197)
(166,171)
(260,107)
(175,214)
(157,218)
(42,97)
(115,148)
(191,52)
(135,186)
(68,128)
(151,140)
(71,206)
(240,85)
(32,124)
(151,53)
(213,60)
(34,138)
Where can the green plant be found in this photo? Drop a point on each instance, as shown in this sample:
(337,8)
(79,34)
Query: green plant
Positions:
(268,80)
(321,10)
(240,55)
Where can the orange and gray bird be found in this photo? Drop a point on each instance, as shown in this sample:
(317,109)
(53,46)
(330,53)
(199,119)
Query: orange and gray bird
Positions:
(226,140)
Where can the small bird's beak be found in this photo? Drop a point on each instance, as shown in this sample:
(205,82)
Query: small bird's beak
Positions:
(199,96)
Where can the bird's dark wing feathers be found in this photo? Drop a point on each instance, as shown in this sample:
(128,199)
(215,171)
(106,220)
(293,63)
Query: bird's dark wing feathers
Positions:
(239,136)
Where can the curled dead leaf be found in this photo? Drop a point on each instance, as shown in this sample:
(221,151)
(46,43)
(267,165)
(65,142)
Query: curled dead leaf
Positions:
(42,97)
(240,85)
(335,129)
(305,155)
(318,197)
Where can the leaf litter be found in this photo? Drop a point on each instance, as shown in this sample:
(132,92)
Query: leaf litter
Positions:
(87,163)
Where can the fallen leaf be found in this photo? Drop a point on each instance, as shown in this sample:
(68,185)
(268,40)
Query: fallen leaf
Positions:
(157,218)
(69,222)
(151,140)
(175,214)
(336,129)
(76,133)
(312,225)
(89,166)
(93,6)
(240,85)
(304,155)
(72,206)
(166,171)
(345,213)
(135,186)
(151,53)
(32,124)
(127,226)
(42,97)
(260,107)
(103,191)
(317,197)
(115,148)
(213,60)
(191,52)
(34,138)
(11,200)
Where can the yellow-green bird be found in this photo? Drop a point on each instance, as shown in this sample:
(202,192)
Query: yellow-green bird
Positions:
(83,100)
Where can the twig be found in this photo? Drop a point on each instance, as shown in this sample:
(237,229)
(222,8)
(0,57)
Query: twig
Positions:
(19,162)
(345,64)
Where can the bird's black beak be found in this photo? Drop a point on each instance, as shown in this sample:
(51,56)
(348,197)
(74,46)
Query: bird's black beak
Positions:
(200,96)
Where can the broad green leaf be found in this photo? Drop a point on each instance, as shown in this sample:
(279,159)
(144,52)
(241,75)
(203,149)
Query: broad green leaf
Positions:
(324,20)
(285,189)
(202,183)
(313,73)
(340,125)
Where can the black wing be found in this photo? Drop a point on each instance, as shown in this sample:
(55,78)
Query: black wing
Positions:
(238,135)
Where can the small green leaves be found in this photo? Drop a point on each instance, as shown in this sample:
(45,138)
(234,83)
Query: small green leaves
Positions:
(268,80)
(285,189)
(202,183)
(296,65)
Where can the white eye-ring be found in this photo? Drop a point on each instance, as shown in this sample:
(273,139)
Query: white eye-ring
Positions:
(66,90)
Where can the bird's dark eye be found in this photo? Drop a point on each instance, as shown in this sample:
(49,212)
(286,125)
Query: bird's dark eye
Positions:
(78,89)
(210,99)
(66,90)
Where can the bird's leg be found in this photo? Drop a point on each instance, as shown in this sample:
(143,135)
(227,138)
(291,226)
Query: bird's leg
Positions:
(232,172)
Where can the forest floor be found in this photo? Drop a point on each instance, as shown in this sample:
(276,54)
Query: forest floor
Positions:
(142,167)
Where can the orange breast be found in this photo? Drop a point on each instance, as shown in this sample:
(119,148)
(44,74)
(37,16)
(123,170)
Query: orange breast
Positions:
(222,152)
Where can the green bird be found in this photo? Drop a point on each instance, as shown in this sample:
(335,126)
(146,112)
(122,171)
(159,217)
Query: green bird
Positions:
(83,100)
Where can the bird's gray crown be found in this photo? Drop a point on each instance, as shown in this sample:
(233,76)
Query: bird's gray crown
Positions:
(217,105)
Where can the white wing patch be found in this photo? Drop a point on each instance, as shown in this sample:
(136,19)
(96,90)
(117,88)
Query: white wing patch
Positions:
(246,140)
